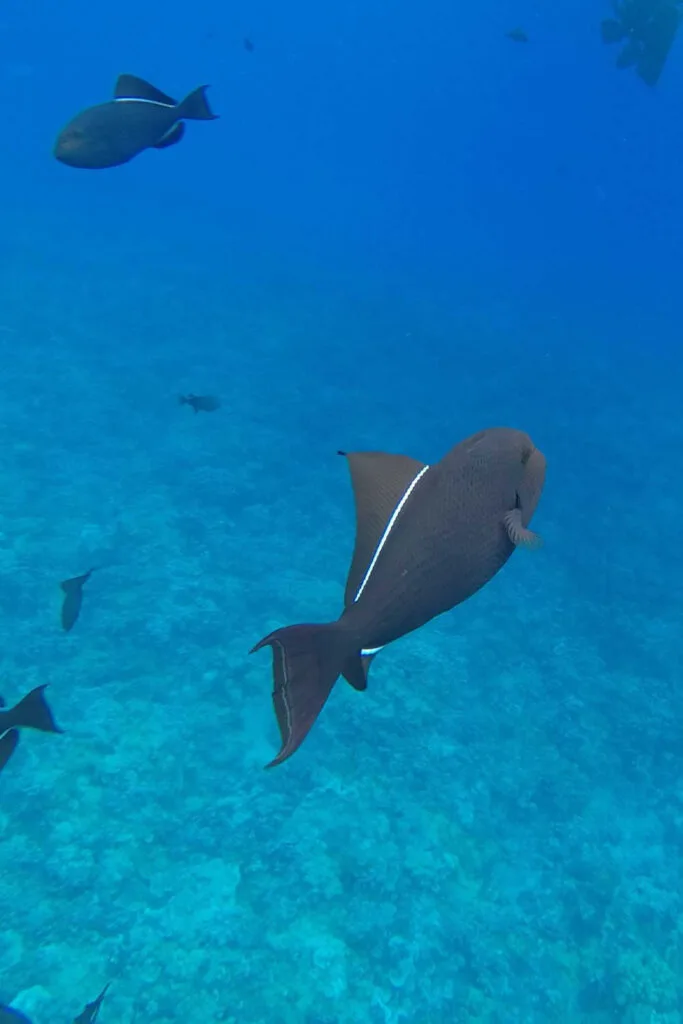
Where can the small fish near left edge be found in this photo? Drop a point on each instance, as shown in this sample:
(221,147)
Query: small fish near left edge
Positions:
(139,117)
(32,712)
(8,1015)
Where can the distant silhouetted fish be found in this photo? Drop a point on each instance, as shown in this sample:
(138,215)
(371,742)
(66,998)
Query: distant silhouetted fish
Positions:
(91,1010)
(73,598)
(32,712)
(8,1015)
(612,31)
(517,35)
(248,45)
(139,117)
(201,403)
(427,538)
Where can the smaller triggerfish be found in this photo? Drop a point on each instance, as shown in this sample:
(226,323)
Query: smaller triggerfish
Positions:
(517,35)
(139,117)
(8,1015)
(201,403)
(32,712)
(73,598)
(248,45)
(91,1010)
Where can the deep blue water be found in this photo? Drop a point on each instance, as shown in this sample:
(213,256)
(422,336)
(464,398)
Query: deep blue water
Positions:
(403,228)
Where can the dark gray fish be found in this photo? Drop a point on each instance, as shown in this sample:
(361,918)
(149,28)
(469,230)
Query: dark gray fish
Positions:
(8,1015)
(32,712)
(612,31)
(517,35)
(630,54)
(91,1010)
(427,538)
(658,37)
(139,117)
(201,403)
(73,598)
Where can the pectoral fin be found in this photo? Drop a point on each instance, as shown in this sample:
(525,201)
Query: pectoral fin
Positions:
(518,533)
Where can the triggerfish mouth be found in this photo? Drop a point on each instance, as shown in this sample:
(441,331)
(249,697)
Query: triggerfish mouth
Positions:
(427,538)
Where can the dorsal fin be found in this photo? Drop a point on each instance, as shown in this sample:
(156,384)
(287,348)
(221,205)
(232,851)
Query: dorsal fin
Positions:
(379,482)
(130,87)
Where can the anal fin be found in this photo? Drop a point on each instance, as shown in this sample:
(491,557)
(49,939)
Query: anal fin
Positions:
(355,670)
(171,137)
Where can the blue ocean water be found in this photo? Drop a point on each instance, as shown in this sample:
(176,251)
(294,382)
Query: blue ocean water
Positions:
(403,228)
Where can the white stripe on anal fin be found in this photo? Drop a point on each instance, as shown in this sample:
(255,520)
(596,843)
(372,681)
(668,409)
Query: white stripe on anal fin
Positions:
(367,652)
(387,531)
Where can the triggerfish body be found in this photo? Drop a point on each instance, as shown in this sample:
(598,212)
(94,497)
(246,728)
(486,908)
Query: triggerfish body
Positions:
(201,403)
(139,117)
(427,538)
(32,712)
(73,599)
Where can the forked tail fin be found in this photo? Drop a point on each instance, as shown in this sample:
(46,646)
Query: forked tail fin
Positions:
(195,107)
(307,661)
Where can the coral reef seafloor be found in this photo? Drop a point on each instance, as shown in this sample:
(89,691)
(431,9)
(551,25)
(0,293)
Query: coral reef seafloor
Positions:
(492,832)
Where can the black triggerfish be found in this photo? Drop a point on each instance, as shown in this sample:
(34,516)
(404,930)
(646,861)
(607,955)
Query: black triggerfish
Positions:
(139,117)
(73,599)
(201,403)
(427,538)
(32,712)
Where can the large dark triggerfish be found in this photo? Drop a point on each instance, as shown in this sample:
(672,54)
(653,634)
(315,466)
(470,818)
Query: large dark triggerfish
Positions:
(427,538)
(139,117)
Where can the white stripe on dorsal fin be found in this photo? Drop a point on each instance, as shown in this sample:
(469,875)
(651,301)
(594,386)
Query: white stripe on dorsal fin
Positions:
(379,481)
(130,87)
(387,531)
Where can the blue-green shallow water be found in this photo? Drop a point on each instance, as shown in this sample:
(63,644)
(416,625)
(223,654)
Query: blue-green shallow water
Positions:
(398,233)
